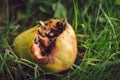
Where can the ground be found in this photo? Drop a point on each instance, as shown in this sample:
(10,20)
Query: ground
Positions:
(97,27)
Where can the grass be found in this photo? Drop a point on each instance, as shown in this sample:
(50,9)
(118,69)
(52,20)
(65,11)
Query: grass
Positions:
(97,27)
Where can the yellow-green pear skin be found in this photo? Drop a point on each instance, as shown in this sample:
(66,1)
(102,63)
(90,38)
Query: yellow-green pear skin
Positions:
(23,42)
(62,56)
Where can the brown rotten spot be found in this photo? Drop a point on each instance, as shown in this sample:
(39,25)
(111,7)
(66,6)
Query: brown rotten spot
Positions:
(52,44)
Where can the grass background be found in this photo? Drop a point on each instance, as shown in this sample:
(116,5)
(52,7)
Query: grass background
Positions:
(97,27)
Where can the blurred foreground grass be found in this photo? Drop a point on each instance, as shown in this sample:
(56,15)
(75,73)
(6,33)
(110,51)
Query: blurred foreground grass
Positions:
(97,27)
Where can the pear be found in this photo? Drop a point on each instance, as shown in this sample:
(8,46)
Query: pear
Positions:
(51,44)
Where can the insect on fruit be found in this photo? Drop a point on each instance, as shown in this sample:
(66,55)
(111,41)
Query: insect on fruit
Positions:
(51,44)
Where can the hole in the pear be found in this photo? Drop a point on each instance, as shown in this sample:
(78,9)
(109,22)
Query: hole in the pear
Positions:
(47,42)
